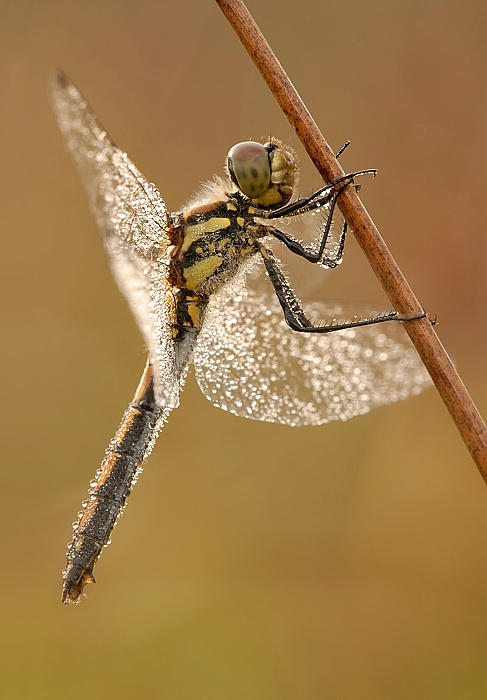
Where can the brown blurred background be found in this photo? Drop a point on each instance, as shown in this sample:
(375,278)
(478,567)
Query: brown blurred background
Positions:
(254,561)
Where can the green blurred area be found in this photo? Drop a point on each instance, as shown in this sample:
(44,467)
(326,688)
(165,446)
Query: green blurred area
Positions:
(254,561)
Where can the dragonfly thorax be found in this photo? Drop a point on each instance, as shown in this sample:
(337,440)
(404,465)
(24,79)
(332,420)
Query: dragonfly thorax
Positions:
(214,235)
(214,239)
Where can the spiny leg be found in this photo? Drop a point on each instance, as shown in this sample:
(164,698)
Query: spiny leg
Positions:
(294,314)
(314,201)
(345,145)
(313,256)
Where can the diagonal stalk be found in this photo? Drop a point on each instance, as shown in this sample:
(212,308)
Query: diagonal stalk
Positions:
(444,375)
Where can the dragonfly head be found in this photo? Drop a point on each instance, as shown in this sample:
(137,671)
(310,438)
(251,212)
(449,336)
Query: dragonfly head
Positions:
(265,173)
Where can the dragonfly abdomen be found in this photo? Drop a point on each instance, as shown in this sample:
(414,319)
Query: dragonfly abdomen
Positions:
(111,487)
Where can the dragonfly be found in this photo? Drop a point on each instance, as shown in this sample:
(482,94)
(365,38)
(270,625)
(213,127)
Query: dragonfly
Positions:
(186,278)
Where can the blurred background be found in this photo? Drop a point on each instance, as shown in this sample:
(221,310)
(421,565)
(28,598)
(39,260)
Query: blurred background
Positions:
(346,561)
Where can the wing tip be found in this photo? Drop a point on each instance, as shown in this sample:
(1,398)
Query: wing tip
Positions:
(58,79)
(58,86)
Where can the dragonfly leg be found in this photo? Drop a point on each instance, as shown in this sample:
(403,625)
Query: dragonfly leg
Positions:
(314,201)
(318,256)
(345,145)
(294,314)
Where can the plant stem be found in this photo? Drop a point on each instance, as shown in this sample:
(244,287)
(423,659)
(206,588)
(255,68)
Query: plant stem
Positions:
(444,375)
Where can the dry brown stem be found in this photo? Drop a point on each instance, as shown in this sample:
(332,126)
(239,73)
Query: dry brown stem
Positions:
(445,377)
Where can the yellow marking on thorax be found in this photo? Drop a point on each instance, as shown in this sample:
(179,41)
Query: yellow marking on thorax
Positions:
(195,231)
(248,250)
(222,243)
(240,221)
(231,206)
(200,271)
(194,313)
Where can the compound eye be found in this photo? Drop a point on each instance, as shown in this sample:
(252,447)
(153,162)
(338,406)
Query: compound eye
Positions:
(249,168)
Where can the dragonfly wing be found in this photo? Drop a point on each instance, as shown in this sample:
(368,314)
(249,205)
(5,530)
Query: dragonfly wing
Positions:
(150,299)
(133,222)
(249,362)
(125,204)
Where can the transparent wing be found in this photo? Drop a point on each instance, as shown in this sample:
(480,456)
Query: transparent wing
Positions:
(145,285)
(133,222)
(248,362)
